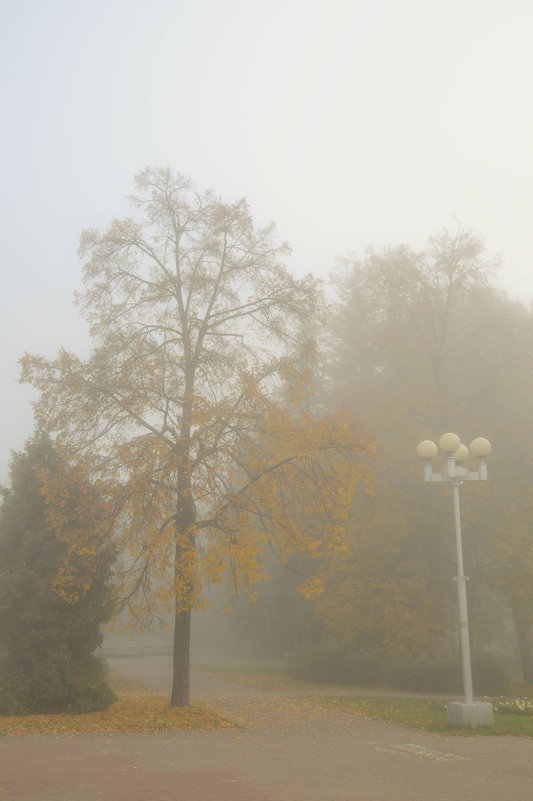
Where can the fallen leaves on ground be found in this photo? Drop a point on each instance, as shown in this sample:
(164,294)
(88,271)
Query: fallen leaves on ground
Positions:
(126,715)
(143,711)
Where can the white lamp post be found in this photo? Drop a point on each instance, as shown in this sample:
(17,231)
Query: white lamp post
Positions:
(469,713)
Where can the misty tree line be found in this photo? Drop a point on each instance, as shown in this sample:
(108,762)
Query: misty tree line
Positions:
(421,343)
(232,420)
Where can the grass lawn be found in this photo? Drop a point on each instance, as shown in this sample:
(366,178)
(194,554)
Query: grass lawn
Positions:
(138,709)
(421,713)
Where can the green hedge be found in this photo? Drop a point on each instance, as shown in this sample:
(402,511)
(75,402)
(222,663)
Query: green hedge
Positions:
(491,676)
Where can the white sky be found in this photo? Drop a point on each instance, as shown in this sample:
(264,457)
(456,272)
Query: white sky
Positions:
(347,123)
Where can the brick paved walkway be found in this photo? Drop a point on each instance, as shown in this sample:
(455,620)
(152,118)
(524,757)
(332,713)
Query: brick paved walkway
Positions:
(289,751)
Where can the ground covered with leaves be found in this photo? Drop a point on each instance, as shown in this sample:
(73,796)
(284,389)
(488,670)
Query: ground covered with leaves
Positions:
(137,709)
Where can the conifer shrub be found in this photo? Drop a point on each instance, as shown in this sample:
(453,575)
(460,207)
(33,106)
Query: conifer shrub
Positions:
(60,683)
(48,639)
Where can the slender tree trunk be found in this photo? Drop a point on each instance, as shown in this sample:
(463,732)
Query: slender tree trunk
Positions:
(185,546)
(181,659)
(522,629)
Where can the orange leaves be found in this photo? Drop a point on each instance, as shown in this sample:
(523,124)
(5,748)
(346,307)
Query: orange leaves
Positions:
(180,517)
(313,586)
(292,491)
(127,714)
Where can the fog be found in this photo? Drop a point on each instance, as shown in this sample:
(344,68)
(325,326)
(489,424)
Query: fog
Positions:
(349,125)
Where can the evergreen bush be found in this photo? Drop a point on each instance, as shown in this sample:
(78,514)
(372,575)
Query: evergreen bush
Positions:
(47,641)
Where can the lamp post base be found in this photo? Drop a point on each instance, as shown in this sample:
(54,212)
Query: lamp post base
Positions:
(470,716)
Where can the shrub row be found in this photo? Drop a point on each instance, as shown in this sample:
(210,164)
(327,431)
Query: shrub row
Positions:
(330,666)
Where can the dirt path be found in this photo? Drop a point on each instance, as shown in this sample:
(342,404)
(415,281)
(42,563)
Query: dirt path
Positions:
(289,751)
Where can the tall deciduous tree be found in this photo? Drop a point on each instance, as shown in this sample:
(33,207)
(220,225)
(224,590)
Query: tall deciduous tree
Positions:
(197,336)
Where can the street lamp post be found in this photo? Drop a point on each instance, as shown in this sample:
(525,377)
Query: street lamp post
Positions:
(468,713)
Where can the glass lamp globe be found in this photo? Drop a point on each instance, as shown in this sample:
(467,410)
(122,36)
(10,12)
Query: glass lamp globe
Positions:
(426,449)
(480,447)
(461,454)
(449,443)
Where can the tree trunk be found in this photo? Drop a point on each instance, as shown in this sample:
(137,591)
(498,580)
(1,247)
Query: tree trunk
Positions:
(524,646)
(181,659)
(185,546)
